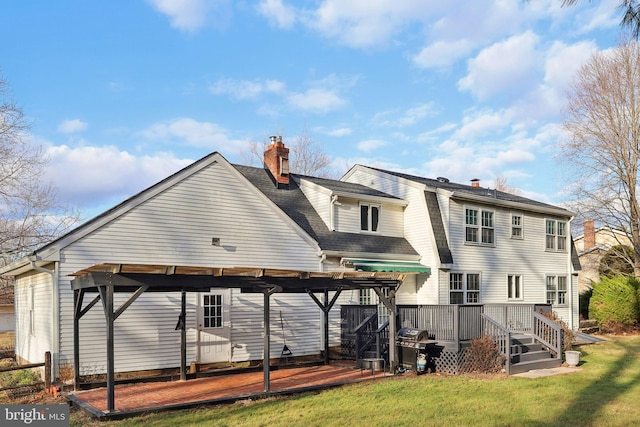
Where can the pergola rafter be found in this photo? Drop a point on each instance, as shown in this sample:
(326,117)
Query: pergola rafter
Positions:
(106,279)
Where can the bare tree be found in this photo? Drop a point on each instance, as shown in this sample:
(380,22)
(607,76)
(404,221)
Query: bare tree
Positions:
(30,214)
(603,149)
(306,157)
(630,14)
(502,184)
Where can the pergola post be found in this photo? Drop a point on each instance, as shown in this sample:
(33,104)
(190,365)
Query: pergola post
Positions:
(183,337)
(390,304)
(326,308)
(267,337)
(326,327)
(106,294)
(77,305)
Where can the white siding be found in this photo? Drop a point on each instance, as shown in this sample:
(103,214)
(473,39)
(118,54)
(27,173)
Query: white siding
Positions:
(33,339)
(526,257)
(347,217)
(416,227)
(320,200)
(175,228)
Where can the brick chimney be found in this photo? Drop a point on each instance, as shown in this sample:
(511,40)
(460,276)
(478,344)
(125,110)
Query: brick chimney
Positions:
(589,234)
(276,160)
(475,182)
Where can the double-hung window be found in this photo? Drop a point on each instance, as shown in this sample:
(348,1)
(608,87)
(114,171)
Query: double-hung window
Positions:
(369,217)
(557,290)
(516,226)
(556,235)
(514,287)
(464,288)
(479,226)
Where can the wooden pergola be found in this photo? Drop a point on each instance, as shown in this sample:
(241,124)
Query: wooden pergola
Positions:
(106,279)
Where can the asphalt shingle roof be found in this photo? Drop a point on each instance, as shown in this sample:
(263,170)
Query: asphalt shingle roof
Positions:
(294,203)
(477,191)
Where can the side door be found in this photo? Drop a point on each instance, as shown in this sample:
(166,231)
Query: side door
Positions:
(214,344)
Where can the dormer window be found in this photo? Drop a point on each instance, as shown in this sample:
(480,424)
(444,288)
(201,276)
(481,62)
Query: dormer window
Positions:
(369,217)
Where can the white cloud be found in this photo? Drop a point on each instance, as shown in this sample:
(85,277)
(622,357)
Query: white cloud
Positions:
(441,54)
(192,15)
(86,175)
(480,123)
(502,67)
(316,100)
(72,126)
(196,134)
(371,144)
(340,132)
(515,156)
(409,117)
(246,89)
(364,23)
(278,14)
(563,61)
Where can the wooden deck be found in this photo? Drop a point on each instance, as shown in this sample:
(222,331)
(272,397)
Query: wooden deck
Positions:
(133,399)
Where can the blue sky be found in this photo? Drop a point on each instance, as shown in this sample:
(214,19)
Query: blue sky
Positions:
(123,93)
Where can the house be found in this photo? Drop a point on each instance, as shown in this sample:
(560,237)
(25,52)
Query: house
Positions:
(461,244)
(592,246)
(484,246)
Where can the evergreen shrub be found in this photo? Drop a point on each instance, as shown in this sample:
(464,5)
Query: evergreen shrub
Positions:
(614,303)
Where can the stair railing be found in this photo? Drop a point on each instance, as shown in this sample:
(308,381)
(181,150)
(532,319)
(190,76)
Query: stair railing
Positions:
(382,338)
(548,333)
(365,334)
(501,336)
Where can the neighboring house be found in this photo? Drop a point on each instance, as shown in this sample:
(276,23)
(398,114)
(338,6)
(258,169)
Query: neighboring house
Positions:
(7,319)
(467,244)
(592,247)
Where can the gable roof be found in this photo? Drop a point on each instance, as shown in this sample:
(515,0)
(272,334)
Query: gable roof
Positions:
(295,204)
(490,196)
(348,188)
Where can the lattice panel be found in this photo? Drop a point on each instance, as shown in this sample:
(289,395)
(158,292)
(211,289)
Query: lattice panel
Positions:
(446,361)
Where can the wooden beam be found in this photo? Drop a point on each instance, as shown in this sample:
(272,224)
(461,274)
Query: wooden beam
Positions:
(130,301)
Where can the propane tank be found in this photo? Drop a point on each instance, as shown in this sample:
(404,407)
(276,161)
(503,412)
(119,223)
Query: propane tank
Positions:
(422,363)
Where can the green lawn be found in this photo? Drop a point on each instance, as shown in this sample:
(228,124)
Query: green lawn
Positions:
(605,391)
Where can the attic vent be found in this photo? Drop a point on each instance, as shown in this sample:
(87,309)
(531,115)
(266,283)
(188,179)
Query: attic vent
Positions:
(443,179)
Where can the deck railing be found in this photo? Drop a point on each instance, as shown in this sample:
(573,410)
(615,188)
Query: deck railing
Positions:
(456,324)
(452,323)
(501,336)
(548,333)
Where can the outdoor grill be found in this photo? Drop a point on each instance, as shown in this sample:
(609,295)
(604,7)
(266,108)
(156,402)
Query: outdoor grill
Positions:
(412,349)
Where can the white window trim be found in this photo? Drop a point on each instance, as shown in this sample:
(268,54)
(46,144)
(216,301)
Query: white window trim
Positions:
(369,206)
(520,227)
(479,227)
(556,236)
(465,289)
(521,286)
(557,292)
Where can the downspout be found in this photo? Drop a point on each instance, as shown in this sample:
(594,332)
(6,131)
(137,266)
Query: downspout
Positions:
(572,324)
(55,309)
(332,212)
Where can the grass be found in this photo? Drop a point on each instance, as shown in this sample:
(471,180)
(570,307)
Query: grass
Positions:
(605,391)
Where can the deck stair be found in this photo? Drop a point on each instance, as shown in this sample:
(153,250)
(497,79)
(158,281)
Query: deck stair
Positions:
(527,355)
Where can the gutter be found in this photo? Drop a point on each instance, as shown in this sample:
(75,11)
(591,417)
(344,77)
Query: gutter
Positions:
(55,311)
(551,210)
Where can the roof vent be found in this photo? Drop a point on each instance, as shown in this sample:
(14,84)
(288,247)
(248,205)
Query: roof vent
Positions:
(443,179)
